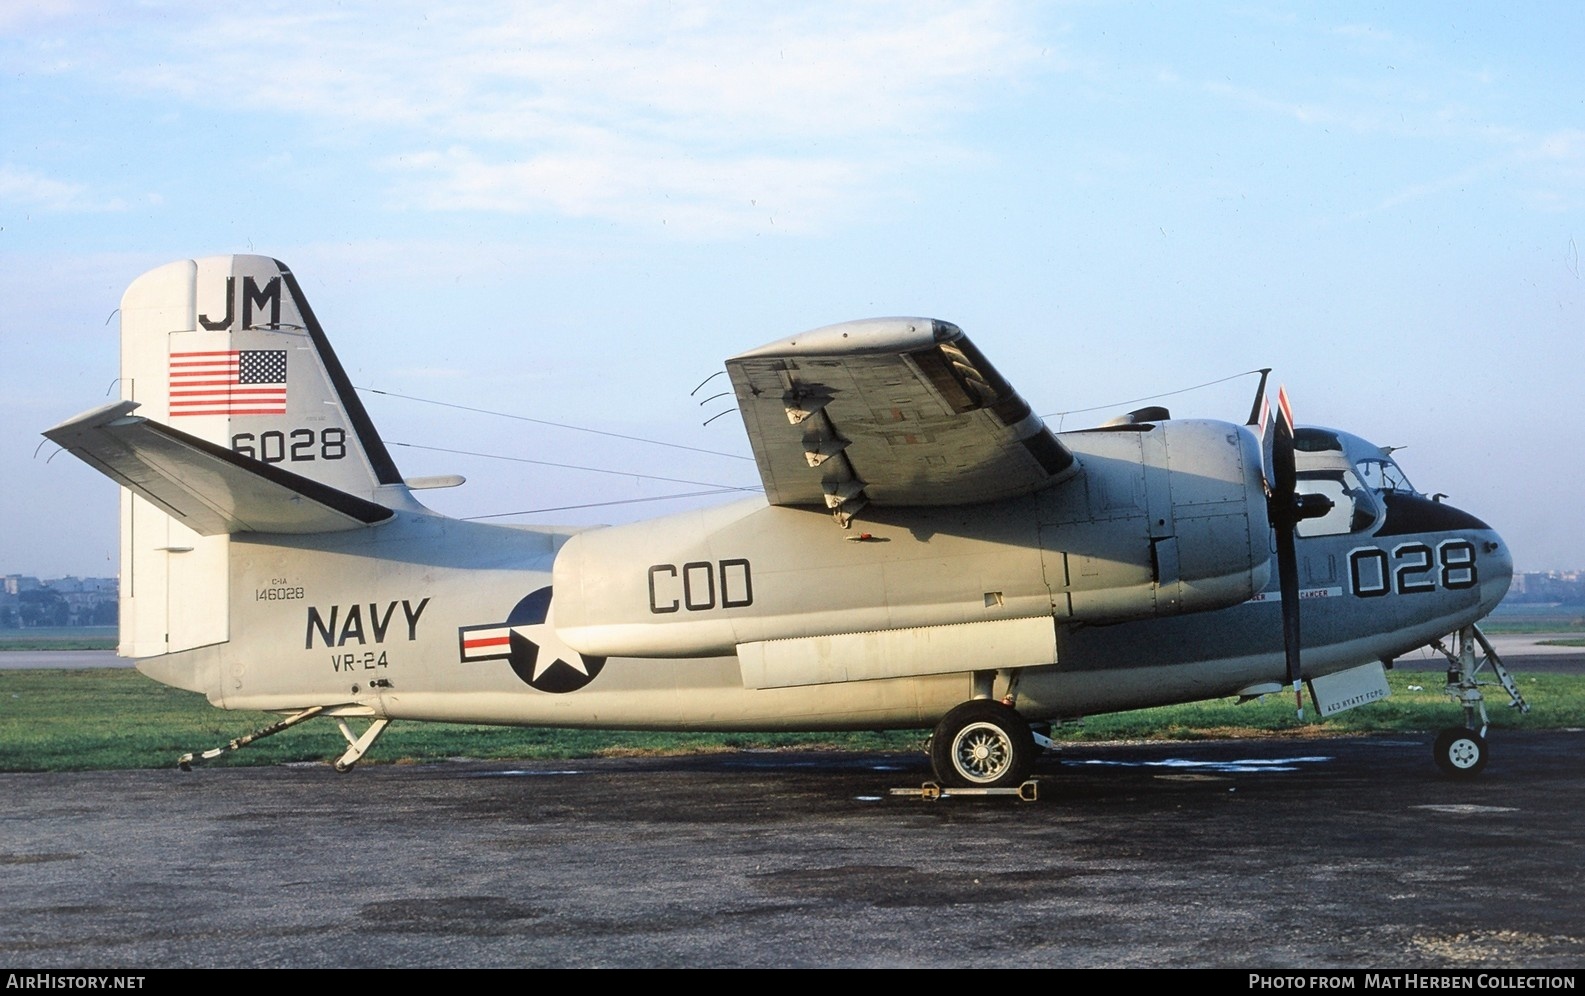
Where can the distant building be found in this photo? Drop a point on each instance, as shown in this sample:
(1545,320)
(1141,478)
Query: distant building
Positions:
(1559,587)
(16,584)
(26,601)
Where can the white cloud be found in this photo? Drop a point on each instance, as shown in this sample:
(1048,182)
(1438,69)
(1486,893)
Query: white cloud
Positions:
(1360,115)
(643,183)
(633,112)
(30,190)
(18,17)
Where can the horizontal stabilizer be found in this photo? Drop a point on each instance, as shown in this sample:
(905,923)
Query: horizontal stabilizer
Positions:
(206,487)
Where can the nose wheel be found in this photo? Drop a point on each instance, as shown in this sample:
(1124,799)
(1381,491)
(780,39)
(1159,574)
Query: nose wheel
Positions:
(1460,751)
(982,744)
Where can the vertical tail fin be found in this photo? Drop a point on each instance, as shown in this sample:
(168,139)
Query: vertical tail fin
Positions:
(227,349)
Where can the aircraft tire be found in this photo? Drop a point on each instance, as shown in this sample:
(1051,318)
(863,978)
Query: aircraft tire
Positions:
(982,744)
(1460,752)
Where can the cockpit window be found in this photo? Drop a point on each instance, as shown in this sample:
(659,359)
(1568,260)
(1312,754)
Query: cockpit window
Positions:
(1384,475)
(1353,472)
(1309,439)
(1355,508)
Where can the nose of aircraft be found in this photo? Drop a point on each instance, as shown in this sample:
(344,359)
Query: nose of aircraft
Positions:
(1494,563)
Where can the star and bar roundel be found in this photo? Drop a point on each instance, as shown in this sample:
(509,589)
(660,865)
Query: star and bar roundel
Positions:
(531,646)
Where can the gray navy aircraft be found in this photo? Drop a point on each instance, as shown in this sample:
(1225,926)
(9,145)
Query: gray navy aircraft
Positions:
(927,553)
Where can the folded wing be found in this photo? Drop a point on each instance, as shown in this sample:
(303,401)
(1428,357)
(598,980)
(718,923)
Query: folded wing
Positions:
(889,411)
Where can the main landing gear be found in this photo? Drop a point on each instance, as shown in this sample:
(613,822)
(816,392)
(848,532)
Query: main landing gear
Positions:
(1461,750)
(984,745)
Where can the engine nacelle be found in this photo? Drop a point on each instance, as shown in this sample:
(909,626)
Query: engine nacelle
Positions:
(1163,519)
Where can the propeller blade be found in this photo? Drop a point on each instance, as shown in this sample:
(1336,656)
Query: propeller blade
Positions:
(1283,475)
(1264,433)
(1287,507)
(1288,580)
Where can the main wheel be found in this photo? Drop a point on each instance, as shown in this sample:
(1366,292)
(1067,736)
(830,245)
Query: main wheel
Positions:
(982,744)
(1460,751)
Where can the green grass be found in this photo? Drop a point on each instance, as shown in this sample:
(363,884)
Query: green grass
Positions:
(1521,619)
(114,718)
(59,638)
(1417,705)
(1572,624)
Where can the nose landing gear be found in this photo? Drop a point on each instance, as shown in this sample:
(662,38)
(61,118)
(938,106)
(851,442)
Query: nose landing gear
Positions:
(1461,750)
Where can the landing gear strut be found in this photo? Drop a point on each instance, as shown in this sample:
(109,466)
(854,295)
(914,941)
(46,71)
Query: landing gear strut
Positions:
(357,744)
(1461,750)
(982,744)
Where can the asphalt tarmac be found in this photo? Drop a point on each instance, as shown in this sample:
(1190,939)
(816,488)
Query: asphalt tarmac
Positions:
(1351,852)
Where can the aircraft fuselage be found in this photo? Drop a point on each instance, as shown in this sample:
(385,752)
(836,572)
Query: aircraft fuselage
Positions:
(435,618)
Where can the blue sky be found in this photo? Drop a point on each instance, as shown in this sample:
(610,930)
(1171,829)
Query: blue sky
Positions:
(573,212)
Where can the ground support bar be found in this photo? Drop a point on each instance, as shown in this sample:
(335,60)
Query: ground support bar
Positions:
(932,792)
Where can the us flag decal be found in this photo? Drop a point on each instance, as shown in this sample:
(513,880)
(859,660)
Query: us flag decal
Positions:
(229,382)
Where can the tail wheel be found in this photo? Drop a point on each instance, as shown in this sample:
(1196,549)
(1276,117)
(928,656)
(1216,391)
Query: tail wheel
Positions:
(1460,751)
(982,744)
